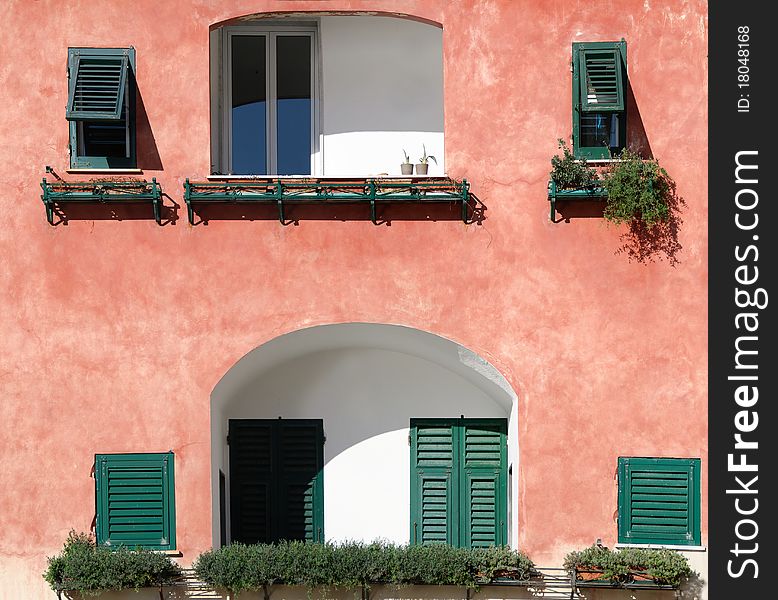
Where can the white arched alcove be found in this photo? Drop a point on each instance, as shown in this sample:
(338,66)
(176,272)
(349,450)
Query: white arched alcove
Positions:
(365,381)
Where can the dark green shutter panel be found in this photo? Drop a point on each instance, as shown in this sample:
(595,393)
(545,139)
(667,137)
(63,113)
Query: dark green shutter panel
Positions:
(251,479)
(135,500)
(98,78)
(601,80)
(483,517)
(659,501)
(300,480)
(433,473)
(276,483)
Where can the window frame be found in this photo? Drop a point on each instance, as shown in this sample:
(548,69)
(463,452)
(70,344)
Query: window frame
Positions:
(598,152)
(271,31)
(107,462)
(692,536)
(78,157)
(457,512)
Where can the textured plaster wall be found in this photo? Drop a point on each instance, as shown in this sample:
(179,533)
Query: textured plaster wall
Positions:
(114,333)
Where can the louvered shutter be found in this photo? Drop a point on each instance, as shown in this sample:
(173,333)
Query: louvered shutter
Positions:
(484,511)
(276,484)
(659,501)
(300,481)
(135,500)
(251,480)
(434,473)
(98,78)
(601,79)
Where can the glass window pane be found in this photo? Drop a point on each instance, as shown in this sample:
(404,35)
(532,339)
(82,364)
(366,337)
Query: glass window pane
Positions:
(293,107)
(249,105)
(600,129)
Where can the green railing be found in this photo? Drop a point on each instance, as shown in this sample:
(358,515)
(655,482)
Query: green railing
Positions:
(554,194)
(284,192)
(57,193)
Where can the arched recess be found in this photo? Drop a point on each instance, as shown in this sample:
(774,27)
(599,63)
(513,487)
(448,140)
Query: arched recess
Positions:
(365,382)
(372,86)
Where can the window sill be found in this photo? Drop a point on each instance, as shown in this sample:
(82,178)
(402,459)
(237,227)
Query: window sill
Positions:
(679,547)
(106,171)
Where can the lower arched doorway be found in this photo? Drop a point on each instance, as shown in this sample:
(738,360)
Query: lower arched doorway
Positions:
(364,431)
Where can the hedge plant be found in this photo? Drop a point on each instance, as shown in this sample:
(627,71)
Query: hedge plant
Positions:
(240,567)
(666,567)
(570,173)
(90,569)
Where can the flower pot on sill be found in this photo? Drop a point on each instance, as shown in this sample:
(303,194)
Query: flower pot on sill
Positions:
(406,168)
(421,168)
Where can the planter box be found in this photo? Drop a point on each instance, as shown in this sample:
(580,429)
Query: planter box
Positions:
(592,194)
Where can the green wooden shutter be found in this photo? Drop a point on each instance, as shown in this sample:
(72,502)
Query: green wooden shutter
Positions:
(484,484)
(251,480)
(458,482)
(276,480)
(434,481)
(300,480)
(601,79)
(659,501)
(135,500)
(98,78)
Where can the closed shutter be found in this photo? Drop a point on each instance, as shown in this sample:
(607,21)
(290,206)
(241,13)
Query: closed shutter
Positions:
(601,79)
(135,503)
(458,482)
(251,480)
(659,501)
(299,480)
(98,78)
(484,485)
(276,485)
(432,504)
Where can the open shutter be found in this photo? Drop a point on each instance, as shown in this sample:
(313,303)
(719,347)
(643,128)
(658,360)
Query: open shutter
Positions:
(434,480)
(98,78)
(484,484)
(135,500)
(659,501)
(601,79)
(300,482)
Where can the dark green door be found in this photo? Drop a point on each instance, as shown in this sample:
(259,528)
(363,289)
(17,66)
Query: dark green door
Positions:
(276,483)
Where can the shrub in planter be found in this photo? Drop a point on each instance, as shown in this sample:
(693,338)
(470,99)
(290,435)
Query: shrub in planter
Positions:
(664,567)
(90,569)
(638,190)
(239,568)
(571,174)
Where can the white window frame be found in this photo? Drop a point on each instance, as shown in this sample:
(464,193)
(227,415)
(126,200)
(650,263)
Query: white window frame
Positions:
(271,32)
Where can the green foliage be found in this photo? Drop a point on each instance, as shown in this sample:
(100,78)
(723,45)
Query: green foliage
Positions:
(425,158)
(241,568)
(571,174)
(637,190)
(666,567)
(407,160)
(82,566)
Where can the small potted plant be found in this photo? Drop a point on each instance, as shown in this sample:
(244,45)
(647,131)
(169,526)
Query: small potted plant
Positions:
(422,165)
(406,167)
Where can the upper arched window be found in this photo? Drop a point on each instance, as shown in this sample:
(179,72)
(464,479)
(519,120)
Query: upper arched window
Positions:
(331,95)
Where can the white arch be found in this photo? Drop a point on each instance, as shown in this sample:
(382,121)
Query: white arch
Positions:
(365,381)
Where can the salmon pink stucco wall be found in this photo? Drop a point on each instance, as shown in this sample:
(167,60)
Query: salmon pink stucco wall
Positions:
(115,332)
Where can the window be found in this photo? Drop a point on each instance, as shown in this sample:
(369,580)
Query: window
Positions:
(269,95)
(659,501)
(135,500)
(599,98)
(276,482)
(458,482)
(101,107)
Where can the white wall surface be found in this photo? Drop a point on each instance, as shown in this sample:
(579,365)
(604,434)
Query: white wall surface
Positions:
(382,83)
(366,382)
